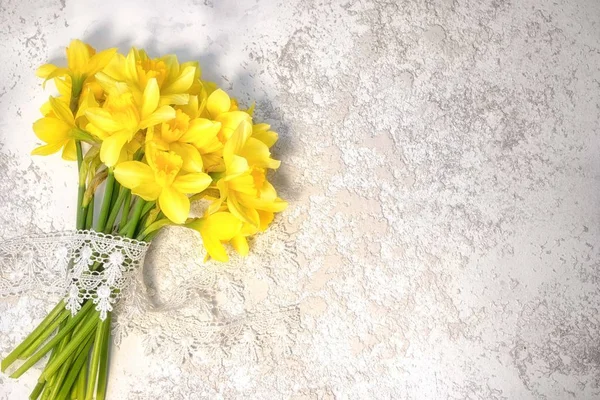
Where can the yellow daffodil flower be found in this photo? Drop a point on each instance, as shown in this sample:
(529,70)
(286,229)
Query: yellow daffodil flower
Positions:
(244,185)
(82,63)
(63,85)
(121,117)
(264,133)
(219,107)
(174,80)
(189,138)
(240,243)
(209,143)
(60,128)
(216,229)
(161,179)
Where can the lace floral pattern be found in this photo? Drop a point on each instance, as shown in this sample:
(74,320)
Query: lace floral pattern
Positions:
(63,263)
(188,309)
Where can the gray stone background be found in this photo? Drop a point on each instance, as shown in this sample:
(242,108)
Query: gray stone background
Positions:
(441,158)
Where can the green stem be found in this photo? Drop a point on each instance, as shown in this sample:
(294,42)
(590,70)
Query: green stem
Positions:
(81,215)
(108,190)
(157,225)
(49,389)
(55,350)
(37,390)
(125,212)
(130,227)
(89,220)
(103,373)
(123,193)
(9,359)
(144,217)
(58,380)
(79,337)
(149,236)
(147,207)
(77,370)
(95,363)
(81,381)
(46,392)
(115,194)
(54,341)
(47,332)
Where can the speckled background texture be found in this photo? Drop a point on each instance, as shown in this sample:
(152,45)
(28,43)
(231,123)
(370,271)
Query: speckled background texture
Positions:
(442,162)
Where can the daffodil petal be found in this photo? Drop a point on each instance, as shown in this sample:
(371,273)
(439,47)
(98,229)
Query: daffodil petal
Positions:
(173,68)
(178,99)
(242,184)
(130,66)
(237,166)
(62,111)
(183,81)
(58,72)
(103,119)
(231,120)
(46,109)
(266,218)
(175,205)
(213,162)
(111,147)
(240,244)
(242,212)
(99,60)
(277,205)
(51,129)
(63,85)
(47,149)
(70,151)
(88,101)
(214,247)
(148,191)
(150,98)
(217,103)
(78,54)
(236,142)
(267,192)
(192,160)
(45,70)
(163,114)
(106,81)
(223,225)
(94,130)
(131,174)
(223,191)
(257,153)
(201,132)
(115,69)
(191,106)
(192,183)
(266,136)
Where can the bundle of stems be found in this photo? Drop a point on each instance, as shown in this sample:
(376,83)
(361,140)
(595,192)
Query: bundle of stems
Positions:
(79,344)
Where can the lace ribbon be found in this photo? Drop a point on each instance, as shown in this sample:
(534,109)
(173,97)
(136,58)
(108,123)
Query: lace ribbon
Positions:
(66,263)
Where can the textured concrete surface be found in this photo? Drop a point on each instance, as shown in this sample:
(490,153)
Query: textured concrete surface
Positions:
(442,161)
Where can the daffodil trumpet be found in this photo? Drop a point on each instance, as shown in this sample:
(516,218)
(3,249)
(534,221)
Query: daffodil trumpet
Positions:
(150,136)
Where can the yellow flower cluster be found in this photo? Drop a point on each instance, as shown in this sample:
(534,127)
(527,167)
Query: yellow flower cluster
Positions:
(166,135)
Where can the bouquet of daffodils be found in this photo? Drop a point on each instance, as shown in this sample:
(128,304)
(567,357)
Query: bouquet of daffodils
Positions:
(154,136)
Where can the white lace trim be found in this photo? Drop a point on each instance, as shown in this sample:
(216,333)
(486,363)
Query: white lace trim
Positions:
(64,263)
(67,262)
